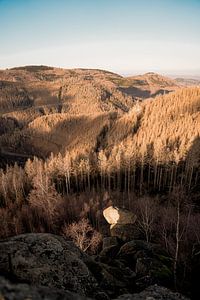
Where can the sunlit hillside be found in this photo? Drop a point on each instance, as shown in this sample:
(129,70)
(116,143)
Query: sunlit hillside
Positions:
(86,117)
(163,129)
(35,98)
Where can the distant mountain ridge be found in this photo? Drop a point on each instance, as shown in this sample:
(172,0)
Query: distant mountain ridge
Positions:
(27,92)
(46,109)
(188,81)
(148,85)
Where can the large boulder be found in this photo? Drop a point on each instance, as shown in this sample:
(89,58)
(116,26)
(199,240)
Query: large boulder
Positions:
(113,276)
(115,215)
(117,279)
(111,246)
(134,266)
(132,248)
(110,241)
(47,260)
(150,262)
(154,292)
(121,222)
(24,291)
(124,232)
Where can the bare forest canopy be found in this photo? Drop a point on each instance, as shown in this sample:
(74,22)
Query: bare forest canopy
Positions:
(138,132)
(73,142)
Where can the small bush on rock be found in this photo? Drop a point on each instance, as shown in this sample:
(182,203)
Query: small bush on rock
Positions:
(83,235)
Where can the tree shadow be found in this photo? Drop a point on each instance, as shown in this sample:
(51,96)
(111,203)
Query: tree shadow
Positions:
(135,92)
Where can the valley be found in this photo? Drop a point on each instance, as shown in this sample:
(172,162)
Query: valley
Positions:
(75,142)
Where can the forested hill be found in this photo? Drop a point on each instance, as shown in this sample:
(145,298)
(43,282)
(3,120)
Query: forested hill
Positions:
(43,108)
(87,139)
(101,121)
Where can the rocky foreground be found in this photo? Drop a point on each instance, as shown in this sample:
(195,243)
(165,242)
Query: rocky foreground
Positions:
(46,266)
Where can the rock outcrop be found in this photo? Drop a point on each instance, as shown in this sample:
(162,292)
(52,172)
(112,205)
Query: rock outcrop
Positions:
(110,241)
(24,291)
(125,232)
(115,215)
(47,260)
(154,292)
(46,266)
(121,222)
(151,263)
(134,266)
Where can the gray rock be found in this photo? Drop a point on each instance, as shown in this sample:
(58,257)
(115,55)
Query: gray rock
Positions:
(110,252)
(47,260)
(151,263)
(154,292)
(132,247)
(123,232)
(110,241)
(23,291)
(116,278)
(121,222)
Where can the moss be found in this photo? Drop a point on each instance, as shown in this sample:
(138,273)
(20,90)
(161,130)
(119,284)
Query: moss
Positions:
(166,260)
(162,273)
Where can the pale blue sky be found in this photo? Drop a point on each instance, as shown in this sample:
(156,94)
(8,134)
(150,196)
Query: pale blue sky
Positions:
(124,36)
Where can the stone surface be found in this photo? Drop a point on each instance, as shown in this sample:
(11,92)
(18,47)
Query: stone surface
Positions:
(114,277)
(110,241)
(47,260)
(46,266)
(124,232)
(150,262)
(154,292)
(109,253)
(23,291)
(115,215)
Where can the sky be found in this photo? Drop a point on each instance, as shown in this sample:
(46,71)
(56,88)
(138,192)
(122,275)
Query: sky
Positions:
(123,36)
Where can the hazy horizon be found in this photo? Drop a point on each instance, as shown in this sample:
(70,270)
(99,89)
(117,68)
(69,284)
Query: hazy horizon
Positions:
(189,75)
(123,37)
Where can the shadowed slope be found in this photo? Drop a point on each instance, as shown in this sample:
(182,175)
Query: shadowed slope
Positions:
(147,85)
(47,109)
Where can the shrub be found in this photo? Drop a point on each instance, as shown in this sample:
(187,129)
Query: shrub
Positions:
(83,235)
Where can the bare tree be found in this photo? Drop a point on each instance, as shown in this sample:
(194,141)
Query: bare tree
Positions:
(45,200)
(146,211)
(83,235)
